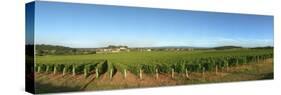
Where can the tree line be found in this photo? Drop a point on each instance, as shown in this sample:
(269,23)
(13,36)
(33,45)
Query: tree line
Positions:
(43,49)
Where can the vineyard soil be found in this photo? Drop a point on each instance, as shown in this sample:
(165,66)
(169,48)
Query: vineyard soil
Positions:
(49,82)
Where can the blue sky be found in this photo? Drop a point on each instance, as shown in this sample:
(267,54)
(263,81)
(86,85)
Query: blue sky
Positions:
(85,25)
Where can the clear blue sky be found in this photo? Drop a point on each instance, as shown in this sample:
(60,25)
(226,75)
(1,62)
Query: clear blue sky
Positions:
(85,25)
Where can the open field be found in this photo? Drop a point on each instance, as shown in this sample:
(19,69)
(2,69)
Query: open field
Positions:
(150,69)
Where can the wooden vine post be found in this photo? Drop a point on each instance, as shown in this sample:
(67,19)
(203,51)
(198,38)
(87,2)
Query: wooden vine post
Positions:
(85,72)
(55,69)
(64,70)
(97,73)
(237,62)
(156,71)
(39,69)
(216,69)
(203,72)
(110,74)
(47,69)
(73,70)
(264,60)
(227,67)
(258,59)
(140,73)
(173,73)
(125,73)
(186,74)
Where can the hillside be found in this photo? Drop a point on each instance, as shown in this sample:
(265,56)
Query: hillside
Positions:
(53,50)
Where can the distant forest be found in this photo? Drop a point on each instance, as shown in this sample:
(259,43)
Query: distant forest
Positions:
(59,50)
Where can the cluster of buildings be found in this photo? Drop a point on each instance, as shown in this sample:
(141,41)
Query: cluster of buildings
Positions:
(113,49)
(116,49)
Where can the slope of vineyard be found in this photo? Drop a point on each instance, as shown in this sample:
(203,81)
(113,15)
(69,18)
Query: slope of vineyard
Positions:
(155,68)
(49,83)
(152,62)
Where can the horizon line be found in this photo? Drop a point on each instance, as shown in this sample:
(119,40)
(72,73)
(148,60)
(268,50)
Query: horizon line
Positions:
(160,46)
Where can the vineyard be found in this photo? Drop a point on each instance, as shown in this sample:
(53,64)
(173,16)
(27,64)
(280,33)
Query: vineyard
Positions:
(150,63)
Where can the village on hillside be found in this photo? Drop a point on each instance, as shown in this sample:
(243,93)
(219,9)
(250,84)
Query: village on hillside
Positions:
(62,50)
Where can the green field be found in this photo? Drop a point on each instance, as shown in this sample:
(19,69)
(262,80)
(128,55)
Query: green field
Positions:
(191,65)
(165,61)
(144,57)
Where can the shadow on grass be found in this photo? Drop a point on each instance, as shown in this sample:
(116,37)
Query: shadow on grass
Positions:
(267,76)
(48,88)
